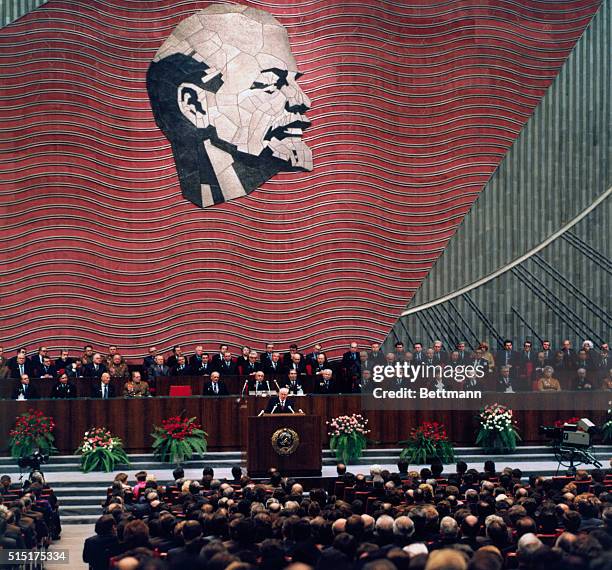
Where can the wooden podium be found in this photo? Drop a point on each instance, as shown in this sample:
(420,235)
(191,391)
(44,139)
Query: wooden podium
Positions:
(289,442)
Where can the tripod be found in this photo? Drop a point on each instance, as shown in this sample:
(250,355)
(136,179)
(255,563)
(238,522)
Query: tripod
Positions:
(571,457)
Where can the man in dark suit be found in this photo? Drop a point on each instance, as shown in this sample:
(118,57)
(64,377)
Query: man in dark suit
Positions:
(149,360)
(311,357)
(47,370)
(63,389)
(181,368)
(99,549)
(281,404)
(508,357)
(293,349)
(463,353)
(375,355)
(273,367)
(326,383)
(258,383)
(320,365)
(24,391)
(158,370)
(440,357)
(215,387)
(251,366)
(505,382)
(20,366)
(266,356)
(297,363)
(569,355)
(103,389)
(195,360)
(549,353)
(418,356)
(226,366)
(37,360)
(95,370)
(64,361)
(217,359)
(293,383)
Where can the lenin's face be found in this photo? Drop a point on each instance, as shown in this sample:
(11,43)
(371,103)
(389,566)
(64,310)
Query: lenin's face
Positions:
(246,100)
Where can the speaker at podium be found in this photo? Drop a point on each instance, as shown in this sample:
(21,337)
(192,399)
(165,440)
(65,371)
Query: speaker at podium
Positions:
(291,442)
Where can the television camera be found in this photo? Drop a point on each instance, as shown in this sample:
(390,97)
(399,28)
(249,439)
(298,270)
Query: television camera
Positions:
(572,444)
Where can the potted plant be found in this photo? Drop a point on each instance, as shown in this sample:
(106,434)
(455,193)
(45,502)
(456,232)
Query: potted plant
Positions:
(32,431)
(426,443)
(347,437)
(178,439)
(100,450)
(498,432)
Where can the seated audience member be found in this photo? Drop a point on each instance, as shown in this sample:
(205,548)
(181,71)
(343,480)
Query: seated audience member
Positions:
(273,366)
(103,389)
(487,354)
(603,360)
(173,359)
(548,383)
(112,350)
(438,383)
(195,360)
(583,360)
(454,359)
(326,384)
(366,384)
(136,387)
(226,366)
(297,363)
(365,362)
(181,368)
(118,368)
(100,548)
(64,362)
(582,382)
(46,370)
(20,366)
(36,360)
(281,404)
(96,368)
(24,391)
(216,386)
(158,370)
(88,354)
(293,383)
(375,354)
(63,389)
(149,360)
(258,384)
(251,366)
(505,383)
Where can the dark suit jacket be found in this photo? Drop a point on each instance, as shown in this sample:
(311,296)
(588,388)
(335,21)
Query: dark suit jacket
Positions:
(223,391)
(185,371)
(513,360)
(274,404)
(153,372)
(14,369)
(98,550)
(62,365)
(97,391)
(270,370)
(31,393)
(378,358)
(249,368)
(322,388)
(90,371)
(60,390)
(50,370)
(226,368)
(293,388)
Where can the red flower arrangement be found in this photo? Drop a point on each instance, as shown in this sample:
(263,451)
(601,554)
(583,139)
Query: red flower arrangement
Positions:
(32,430)
(178,438)
(428,441)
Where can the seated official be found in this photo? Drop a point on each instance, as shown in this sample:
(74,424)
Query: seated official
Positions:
(505,383)
(47,370)
(95,370)
(281,404)
(23,390)
(118,368)
(293,384)
(259,384)
(366,383)
(273,366)
(582,382)
(439,383)
(203,366)
(606,383)
(103,389)
(216,386)
(548,383)
(251,366)
(63,389)
(136,387)
(20,366)
(326,383)
(319,364)
(64,361)
(181,368)
(158,369)
(296,363)
(226,365)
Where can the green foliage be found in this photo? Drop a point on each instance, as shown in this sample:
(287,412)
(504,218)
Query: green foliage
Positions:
(426,443)
(32,430)
(498,432)
(348,446)
(179,439)
(101,451)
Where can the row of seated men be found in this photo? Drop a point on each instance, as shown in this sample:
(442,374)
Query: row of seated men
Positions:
(29,513)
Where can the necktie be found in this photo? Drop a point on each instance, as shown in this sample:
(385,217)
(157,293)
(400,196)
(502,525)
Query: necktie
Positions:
(105,392)
(25,390)
(21,369)
(216,388)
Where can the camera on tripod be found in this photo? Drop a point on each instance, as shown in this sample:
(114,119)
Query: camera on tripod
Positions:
(572,443)
(33,461)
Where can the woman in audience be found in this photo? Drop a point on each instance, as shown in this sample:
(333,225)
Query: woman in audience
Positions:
(548,383)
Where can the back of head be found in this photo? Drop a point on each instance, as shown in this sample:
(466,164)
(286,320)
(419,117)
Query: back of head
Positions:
(446,559)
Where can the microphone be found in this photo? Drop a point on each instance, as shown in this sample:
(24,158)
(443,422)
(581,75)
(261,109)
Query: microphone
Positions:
(290,408)
(261,413)
(246,382)
(277,386)
(274,408)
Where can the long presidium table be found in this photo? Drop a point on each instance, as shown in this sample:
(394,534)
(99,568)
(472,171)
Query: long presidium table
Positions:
(225,419)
